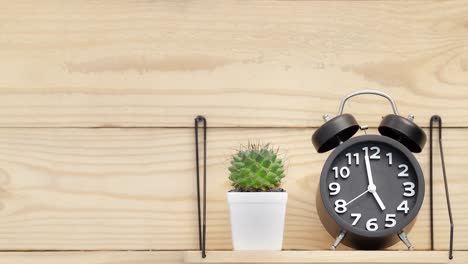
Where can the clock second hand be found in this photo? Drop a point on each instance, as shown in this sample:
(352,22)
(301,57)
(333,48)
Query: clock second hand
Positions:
(357,197)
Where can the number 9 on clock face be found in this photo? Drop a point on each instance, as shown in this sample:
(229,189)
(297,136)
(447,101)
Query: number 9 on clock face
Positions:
(372,186)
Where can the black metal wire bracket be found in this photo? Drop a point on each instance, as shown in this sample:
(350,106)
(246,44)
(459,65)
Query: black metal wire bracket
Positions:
(438,119)
(201,232)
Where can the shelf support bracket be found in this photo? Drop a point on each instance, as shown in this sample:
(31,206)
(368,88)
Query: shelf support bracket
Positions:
(435,119)
(201,226)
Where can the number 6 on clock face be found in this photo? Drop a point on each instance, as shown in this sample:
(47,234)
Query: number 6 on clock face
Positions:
(371,186)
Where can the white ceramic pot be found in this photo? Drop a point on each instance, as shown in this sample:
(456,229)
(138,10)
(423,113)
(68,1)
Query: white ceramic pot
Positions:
(257,219)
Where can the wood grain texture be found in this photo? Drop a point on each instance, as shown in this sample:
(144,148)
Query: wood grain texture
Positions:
(317,257)
(99,189)
(256,63)
(177,257)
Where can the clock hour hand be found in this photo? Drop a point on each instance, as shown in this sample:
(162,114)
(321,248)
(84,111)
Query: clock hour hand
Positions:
(379,201)
(371,187)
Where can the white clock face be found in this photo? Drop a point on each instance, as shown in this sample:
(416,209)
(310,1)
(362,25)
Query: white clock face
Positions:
(372,187)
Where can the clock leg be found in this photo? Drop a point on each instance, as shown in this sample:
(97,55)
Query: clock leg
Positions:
(404,238)
(338,239)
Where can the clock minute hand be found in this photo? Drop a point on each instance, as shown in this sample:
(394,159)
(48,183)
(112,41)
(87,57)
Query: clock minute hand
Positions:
(368,169)
(372,188)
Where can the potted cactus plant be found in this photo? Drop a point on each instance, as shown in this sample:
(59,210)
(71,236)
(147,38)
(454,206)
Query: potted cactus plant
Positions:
(257,203)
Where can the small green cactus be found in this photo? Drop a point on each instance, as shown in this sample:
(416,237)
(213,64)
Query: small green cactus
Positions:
(256,168)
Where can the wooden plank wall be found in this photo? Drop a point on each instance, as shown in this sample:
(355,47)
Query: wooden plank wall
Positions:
(97,100)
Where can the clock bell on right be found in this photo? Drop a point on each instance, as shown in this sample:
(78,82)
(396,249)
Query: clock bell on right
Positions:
(371,186)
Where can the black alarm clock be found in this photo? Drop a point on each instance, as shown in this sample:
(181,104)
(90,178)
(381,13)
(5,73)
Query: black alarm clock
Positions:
(371,186)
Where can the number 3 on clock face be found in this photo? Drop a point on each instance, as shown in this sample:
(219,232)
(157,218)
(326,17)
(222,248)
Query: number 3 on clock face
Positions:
(372,186)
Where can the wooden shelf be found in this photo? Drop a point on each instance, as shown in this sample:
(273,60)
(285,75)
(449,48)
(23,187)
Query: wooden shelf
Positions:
(348,257)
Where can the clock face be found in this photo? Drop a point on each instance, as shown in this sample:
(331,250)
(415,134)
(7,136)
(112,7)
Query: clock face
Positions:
(372,186)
